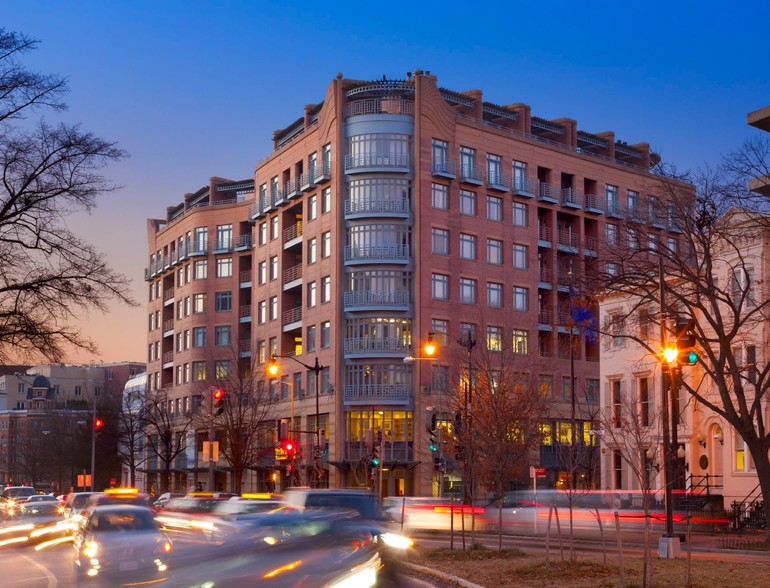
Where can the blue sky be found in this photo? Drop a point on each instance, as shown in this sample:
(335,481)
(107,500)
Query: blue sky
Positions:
(195,89)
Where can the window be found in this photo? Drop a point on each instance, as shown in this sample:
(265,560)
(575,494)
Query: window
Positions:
(613,269)
(494,295)
(645,402)
(520,299)
(200,269)
(273,346)
(262,273)
(653,241)
(311,294)
(261,351)
(612,198)
(440,286)
(467,246)
(520,254)
(179,280)
(200,242)
(326,289)
(673,245)
(494,338)
(742,287)
(261,312)
(326,200)
(440,196)
(468,163)
(224,301)
(199,303)
(520,341)
(520,176)
(494,208)
(310,339)
(494,252)
(262,233)
(274,228)
(633,239)
(545,384)
(222,369)
(467,291)
(199,337)
(440,152)
(187,308)
(632,199)
(494,170)
(198,371)
(224,237)
(326,334)
(616,402)
(274,268)
(592,390)
(520,211)
(467,203)
(439,241)
(311,250)
(225,267)
(274,308)
(440,329)
(612,234)
(312,206)
(326,244)
(223,336)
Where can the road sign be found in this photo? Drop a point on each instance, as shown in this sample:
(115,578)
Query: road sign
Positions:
(536,472)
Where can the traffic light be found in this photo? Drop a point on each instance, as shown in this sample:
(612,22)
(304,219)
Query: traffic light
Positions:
(290,447)
(433,445)
(685,337)
(375,455)
(218,398)
(283,430)
(98,424)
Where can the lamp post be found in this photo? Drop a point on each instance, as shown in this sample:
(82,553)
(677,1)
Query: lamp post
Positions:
(316,368)
(469,342)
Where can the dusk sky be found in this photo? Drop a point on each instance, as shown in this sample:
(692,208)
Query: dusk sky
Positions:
(195,89)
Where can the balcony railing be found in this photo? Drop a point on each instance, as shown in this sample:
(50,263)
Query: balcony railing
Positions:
(444,167)
(523,186)
(244,346)
(376,298)
(544,233)
(225,244)
(593,202)
(168,325)
(498,181)
(544,317)
(244,311)
(571,197)
(293,273)
(363,252)
(292,316)
(244,277)
(292,232)
(545,275)
(168,357)
(307,180)
(376,392)
(292,188)
(244,241)
(376,345)
(471,173)
(377,206)
(548,192)
(378,106)
(568,238)
(168,294)
(377,160)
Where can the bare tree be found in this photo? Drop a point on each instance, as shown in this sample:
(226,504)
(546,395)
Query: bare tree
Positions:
(711,262)
(166,432)
(47,274)
(246,425)
(132,418)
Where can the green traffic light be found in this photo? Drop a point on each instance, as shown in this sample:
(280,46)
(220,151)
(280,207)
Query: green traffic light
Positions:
(433,447)
(692,357)
(375,461)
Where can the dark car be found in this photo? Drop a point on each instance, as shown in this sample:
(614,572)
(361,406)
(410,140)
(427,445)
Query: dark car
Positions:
(122,544)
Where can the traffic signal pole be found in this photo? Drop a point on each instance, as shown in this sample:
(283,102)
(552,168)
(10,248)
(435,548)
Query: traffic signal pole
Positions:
(211,442)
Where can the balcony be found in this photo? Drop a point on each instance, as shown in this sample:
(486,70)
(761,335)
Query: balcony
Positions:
(376,253)
(571,198)
(591,245)
(544,319)
(381,300)
(498,181)
(244,313)
(292,235)
(593,203)
(363,162)
(244,348)
(199,249)
(568,241)
(376,393)
(292,319)
(307,180)
(372,207)
(168,296)
(444,168)
(168,327)
(244,279)
(243,242)
(544,236)
(376,345)
(545,278)
(322,173)
(471,174)
(168,359)
(276,197)
(385,105)
(614,210)
(292,277)
(222,245)
(255,210)
(523,187)
(548,192)
(292,188)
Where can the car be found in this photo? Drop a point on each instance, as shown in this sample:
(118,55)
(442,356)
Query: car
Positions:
(163,499)
(393,545)
(119,496)
(12,497)
(233,509)
(287,547)
(74,502)
(122,544)
(42,498)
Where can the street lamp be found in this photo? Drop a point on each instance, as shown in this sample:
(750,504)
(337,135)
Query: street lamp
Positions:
(469,342)
(316,368)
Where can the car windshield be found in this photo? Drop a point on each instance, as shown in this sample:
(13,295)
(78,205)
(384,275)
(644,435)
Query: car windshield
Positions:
(120,520)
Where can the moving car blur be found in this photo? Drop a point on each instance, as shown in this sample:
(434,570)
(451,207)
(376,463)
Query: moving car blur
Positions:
(122,544)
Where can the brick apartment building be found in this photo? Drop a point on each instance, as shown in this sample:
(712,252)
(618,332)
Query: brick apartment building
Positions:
(391,212)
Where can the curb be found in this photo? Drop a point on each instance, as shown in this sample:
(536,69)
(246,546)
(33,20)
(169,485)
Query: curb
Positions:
(442,575)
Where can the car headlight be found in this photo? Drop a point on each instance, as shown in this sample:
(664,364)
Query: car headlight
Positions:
(90,549)
(396,541)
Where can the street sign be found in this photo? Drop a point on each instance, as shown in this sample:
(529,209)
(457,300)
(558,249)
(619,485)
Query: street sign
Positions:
(536,472)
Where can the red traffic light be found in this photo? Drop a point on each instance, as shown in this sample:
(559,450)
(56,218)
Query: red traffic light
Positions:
(219,394)
(98,424)
(218,397)
(289,446)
